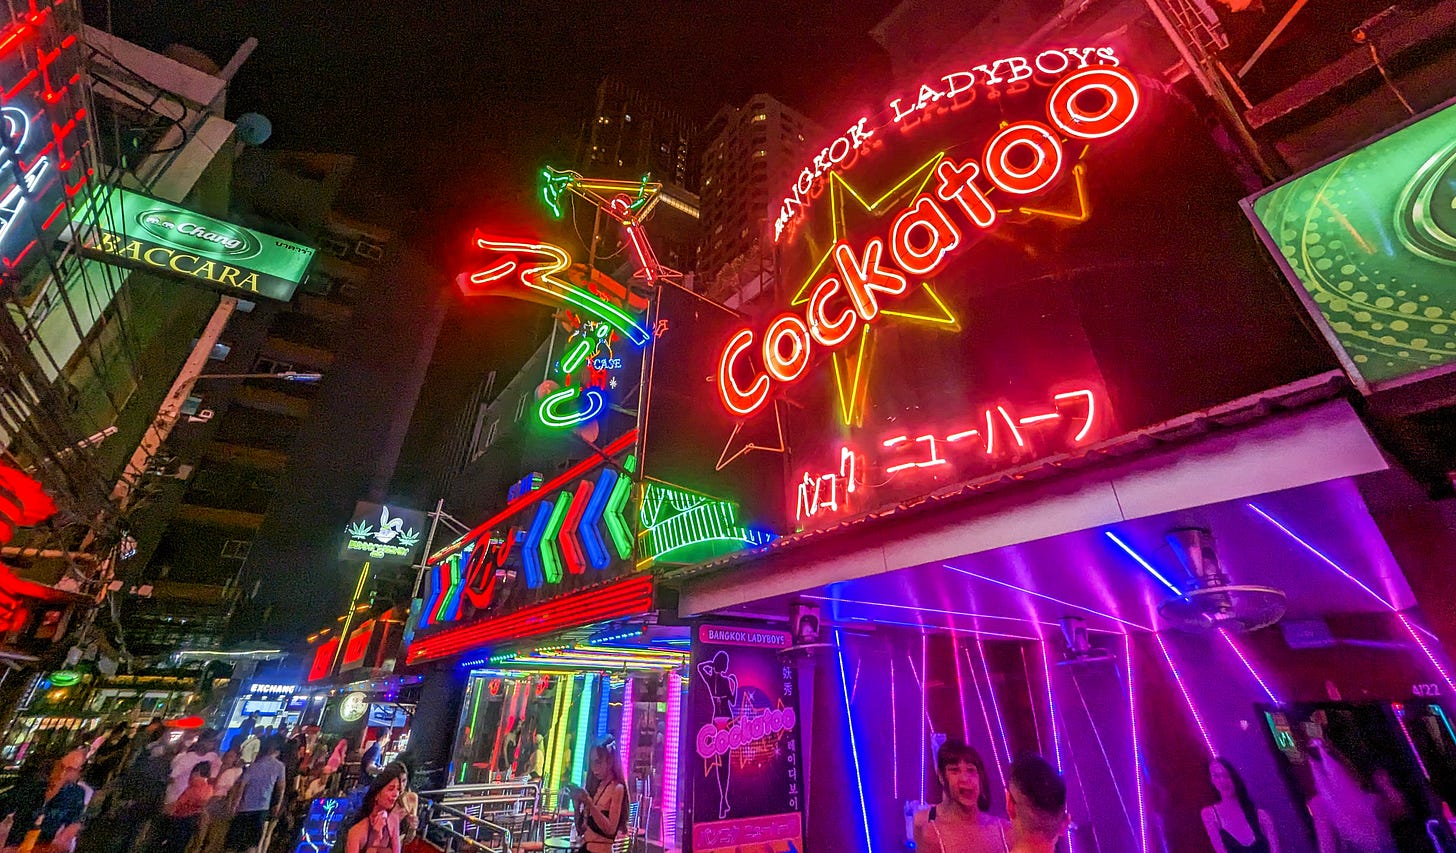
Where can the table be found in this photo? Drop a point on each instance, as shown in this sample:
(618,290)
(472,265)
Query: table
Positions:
(558,844)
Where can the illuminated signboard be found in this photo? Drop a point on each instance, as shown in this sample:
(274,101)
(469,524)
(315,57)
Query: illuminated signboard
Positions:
(388,535)
(1369,239)
(43,135)
(143,232)
(567,533)
(682,526)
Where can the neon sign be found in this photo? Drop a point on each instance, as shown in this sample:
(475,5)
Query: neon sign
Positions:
(1000,433)
(681,525)
(857,285)
(931,98)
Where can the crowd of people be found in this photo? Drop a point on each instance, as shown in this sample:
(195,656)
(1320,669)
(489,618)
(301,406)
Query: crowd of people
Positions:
(158,789)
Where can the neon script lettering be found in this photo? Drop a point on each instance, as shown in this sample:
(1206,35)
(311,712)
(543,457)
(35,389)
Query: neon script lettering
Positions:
(1023,158)
(933,97)
(713,741)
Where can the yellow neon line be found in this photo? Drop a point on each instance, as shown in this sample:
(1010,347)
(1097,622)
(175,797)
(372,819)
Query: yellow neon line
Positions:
(947,318)
(1082,201)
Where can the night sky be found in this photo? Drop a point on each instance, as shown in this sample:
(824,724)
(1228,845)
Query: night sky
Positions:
(454,96)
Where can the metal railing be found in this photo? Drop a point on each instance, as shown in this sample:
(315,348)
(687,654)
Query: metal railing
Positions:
(453,830)
(506,810)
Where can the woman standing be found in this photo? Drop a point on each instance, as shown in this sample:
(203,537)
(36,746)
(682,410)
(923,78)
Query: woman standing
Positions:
(604,807)
(959,823)
(375,828)
(1234,824)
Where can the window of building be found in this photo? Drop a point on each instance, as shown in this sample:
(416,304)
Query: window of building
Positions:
(268,365)
(760,153)
(347,291)
(761,117)
(369,249)
(520,408)
(236,549)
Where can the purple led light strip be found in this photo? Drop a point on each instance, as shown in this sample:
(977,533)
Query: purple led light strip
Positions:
(985,715)
(1250,667)
(1137,755)
(995,704)
(964,613)
(955,653)
(1187,699)
(1046,671)
(853,747)
(1416,631)
(1050,598)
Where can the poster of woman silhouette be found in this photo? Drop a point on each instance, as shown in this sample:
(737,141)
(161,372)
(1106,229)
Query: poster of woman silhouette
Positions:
(746,775)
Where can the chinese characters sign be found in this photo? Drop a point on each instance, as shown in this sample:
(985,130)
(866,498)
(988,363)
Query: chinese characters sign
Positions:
(748,784)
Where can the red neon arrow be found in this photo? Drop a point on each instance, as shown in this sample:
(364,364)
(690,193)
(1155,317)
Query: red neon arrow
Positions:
(570,542)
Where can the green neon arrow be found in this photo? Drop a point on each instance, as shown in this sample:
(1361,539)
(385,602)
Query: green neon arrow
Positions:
(550,560)
(613,515)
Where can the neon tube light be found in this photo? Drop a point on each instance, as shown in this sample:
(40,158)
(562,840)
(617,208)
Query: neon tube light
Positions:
(854,747)
(1041,595)
(985,715)
(1400,718)
(672,761)
(924,679)
(1127,549)
(1233,644)
(955,649)
(627,737)
(583,719)
(966,614)
(894,736)
(995,703)
(1187,699)
(1137,756)
(1417,633)
(1046,670)
(529,498)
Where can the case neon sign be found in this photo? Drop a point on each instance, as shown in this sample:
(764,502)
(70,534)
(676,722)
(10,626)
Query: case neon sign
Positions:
(1024,158)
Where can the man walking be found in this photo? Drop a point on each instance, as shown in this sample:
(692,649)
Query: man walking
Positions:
(257,799)
(1036,802)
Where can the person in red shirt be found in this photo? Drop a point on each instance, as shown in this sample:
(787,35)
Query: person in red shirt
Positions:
(185,813)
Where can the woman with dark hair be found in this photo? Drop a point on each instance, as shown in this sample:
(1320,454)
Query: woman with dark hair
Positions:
(604,805)
(1233,823)
(375,827)
(960,823)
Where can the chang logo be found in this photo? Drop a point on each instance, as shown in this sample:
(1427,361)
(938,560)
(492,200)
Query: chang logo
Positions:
(1426,216)
(198,233)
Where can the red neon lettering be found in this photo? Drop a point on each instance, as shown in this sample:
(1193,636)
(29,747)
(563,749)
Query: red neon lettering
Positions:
(1118,89)
(1081,54)
(1020,68)
(895,105)
(1063,62)
(1091,411)
(737,400)
(953,91)
(1023,138)
(955,185)
(944,236)
(864,276)
(786,367)
(830,334)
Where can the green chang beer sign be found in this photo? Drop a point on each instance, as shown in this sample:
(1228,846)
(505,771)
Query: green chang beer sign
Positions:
(141,232)
(1370,237)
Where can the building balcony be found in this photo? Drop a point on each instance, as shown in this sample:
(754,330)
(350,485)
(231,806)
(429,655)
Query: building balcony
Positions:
(212,517)
(273,402)
(249,457)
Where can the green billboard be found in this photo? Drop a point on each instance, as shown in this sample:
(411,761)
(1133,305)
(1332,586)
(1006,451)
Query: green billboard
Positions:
(142,232)
(1370,238)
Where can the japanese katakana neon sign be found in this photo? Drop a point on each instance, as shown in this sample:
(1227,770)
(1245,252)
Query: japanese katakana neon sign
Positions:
(996,435)
(941,203)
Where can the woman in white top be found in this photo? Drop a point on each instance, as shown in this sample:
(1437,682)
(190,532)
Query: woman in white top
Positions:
(960,822)
(604,806)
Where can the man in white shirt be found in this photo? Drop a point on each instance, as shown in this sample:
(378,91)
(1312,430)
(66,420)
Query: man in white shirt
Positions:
(257,797)
(250,746)
(202,749)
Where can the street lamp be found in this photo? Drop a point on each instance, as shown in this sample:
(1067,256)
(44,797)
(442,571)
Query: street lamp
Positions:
(287,376)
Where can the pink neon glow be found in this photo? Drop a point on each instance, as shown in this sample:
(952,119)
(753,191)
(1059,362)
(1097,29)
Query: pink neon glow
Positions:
(995,704)
(1400,718)
(1011,422)
(1046,162)
(894,737)
(1042,595)
(957,436)
(1137,755)
(1233,644)
(740,401)
(924,707)
(1187,699)
(626,737)
(1046,671)
(923,609)
(675,690)
(1036,419)
(955,649)
(985,714)
(1413,629)
(899,439)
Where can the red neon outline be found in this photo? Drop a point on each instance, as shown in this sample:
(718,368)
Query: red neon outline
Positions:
(1011,422)
(954,187)
(1061,103)
(570,544)
(820,328)
(735,399)
(957,436)
(1091,410)
(580,469)
(940,225)
(786,369)
(864,275)
(1023,182)
(624,598)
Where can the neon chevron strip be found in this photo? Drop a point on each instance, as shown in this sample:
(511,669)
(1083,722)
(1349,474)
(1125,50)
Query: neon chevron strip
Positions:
(550,552)
(614,516)
(699,519)
(531,553)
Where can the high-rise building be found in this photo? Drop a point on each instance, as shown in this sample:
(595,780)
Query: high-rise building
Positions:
(753,154)
(631,134)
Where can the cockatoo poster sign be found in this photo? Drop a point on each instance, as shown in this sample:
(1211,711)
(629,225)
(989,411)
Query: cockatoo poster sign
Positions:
(383,533)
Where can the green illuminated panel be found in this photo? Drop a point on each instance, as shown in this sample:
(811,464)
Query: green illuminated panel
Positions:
(1371,238)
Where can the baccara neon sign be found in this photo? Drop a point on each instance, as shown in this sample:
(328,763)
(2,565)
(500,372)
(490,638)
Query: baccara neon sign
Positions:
(1022,159)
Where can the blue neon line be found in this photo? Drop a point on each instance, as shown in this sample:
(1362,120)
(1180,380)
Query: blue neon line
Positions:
(432,599)
(590,534)
(604,709)
(531,554)
(853,747)
(1141,562)
(1318,553)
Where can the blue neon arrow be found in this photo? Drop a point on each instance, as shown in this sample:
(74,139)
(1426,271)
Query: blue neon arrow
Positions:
(531,553)
(590,530)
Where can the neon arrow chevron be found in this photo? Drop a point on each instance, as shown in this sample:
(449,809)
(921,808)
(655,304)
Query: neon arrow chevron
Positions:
(571,545)
(531,548)
(550,551)
(544,285)
(591,534)
(617,526)
(446,589)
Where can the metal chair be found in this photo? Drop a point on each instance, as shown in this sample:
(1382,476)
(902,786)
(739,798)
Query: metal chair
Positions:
(628,842)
